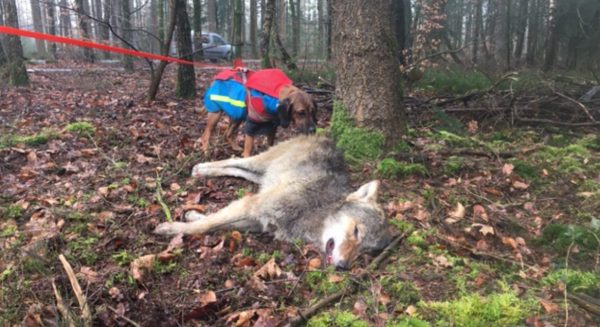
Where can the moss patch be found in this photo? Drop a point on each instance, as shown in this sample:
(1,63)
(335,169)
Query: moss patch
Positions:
(82,128)
(336,319)
(474,310)
(390,168)
(575,280)
(359,144)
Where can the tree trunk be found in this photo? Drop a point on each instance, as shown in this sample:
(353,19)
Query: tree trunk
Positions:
(15,66)
(552,46)
(533,34)
(38,26)
(367,76)
(329,27)
(84,26)
(106,7)
(402,17)
(186,81)
(253,37)
(237,37)
(295,15)
(265,37)
(161,19)
(50,6)
(98,13)
(126,33)
(158,72)
(281,19)
(521,28)
(211,14)
(478,29)
(65,19)
(320,28)
(197,29)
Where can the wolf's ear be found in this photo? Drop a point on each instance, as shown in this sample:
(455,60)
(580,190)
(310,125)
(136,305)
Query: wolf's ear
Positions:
(284,113)
(366,193)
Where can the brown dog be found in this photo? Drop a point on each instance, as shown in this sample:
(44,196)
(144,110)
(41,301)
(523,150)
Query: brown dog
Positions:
(294,106)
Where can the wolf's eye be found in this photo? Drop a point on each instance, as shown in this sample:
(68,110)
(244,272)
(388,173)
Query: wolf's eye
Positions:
(356,231)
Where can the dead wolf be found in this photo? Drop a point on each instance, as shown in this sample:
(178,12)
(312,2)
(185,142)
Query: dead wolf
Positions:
(304,193)
(264,99)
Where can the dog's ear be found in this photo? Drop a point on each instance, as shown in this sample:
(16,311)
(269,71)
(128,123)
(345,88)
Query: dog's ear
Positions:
(284,113)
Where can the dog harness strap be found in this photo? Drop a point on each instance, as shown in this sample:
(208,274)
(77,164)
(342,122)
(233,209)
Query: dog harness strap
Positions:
(257,111)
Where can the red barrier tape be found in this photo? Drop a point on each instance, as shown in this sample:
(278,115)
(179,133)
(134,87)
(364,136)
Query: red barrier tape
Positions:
(99,46)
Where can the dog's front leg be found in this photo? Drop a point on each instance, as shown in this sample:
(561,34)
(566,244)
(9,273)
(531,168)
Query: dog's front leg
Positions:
(238,214)
(250,169)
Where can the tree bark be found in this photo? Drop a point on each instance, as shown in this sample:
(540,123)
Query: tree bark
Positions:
(521,28)
(186,81)
(158,72)
(478,29)
(198,28)
(15,65)
(295,15)
(126,33)
(237,37)
(533,34)
(552,46)
(402,17)
(253,37)
(51,8)
(265,37)
(329,27)
(211,14)
(65,19)
(320,27)
(367,76)
(38,26)
(84,26)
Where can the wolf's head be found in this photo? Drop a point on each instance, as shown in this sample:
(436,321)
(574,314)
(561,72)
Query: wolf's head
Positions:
(358,226)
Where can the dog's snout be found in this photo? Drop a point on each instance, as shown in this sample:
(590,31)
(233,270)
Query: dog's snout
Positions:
(311,129)
(342,265)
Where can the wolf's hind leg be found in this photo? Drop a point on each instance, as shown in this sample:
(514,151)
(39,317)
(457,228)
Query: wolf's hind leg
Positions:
(235,215)
(247,168)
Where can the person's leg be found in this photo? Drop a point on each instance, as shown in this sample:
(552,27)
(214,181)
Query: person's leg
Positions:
(211,123)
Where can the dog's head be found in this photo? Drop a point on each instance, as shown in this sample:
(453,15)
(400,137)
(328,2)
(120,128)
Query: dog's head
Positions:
(298,108)
(359,226)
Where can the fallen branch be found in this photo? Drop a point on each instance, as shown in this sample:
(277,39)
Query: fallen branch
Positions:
(160,200)
(587,302)
(305,315)
(579,104)
(86,315)
(62,308)
(133,323)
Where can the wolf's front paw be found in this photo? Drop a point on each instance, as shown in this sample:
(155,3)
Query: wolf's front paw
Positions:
(169,228)
(198,170)
(193,215)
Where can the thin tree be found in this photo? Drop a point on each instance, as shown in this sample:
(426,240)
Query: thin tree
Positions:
(253,37)
(367,81)
(197,27)
(15,65)
(166,46)
(237,37)
(265,35)
(553,37)
(51,8)
(65,19)
(186,81)
(211,14)
(126,33)
(38,26)
(84,26)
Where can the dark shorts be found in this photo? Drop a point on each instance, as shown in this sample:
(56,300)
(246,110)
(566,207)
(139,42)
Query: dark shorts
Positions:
(253,128)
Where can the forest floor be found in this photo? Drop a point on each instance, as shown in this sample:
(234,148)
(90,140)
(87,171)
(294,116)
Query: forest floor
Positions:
(501,221)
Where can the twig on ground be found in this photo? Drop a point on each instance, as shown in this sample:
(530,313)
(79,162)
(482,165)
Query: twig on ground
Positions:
(304,315)
(586,302)
(123,317)
(579,104)
(86,314)
(158,196)
(62,308)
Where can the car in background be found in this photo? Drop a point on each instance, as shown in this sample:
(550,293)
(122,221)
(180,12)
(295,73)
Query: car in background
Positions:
(214,47)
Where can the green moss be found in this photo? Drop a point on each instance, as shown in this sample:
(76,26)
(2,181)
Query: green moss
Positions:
(82,249)
(526,170)
(453,165)
(122,258)
(359,144)
(319,282)
(453,80)
(407,322)
(455,140)
(403,225)
(577,281)
(336,319)
(82,128)
(31,140)
(417,238)
(13,211)
(390,168)
(474,310)
(403,292)
(591,142)
(561,236)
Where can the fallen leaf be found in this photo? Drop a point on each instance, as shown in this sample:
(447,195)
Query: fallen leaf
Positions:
(550,307)
(458,213)
(335,278)
(143,262)
(507,169)
(411,310)
(359,308)
(174,187)
(103,191)
(315,264)
(208,297)
(442,261)
(479,212)
(510,242)
(484,229)
(32,157)
(472,126)
(142,159)
(88,274)
(115,293)
(520,185)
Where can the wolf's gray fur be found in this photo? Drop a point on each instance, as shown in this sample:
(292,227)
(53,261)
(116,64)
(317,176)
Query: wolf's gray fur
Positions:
(305,193)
